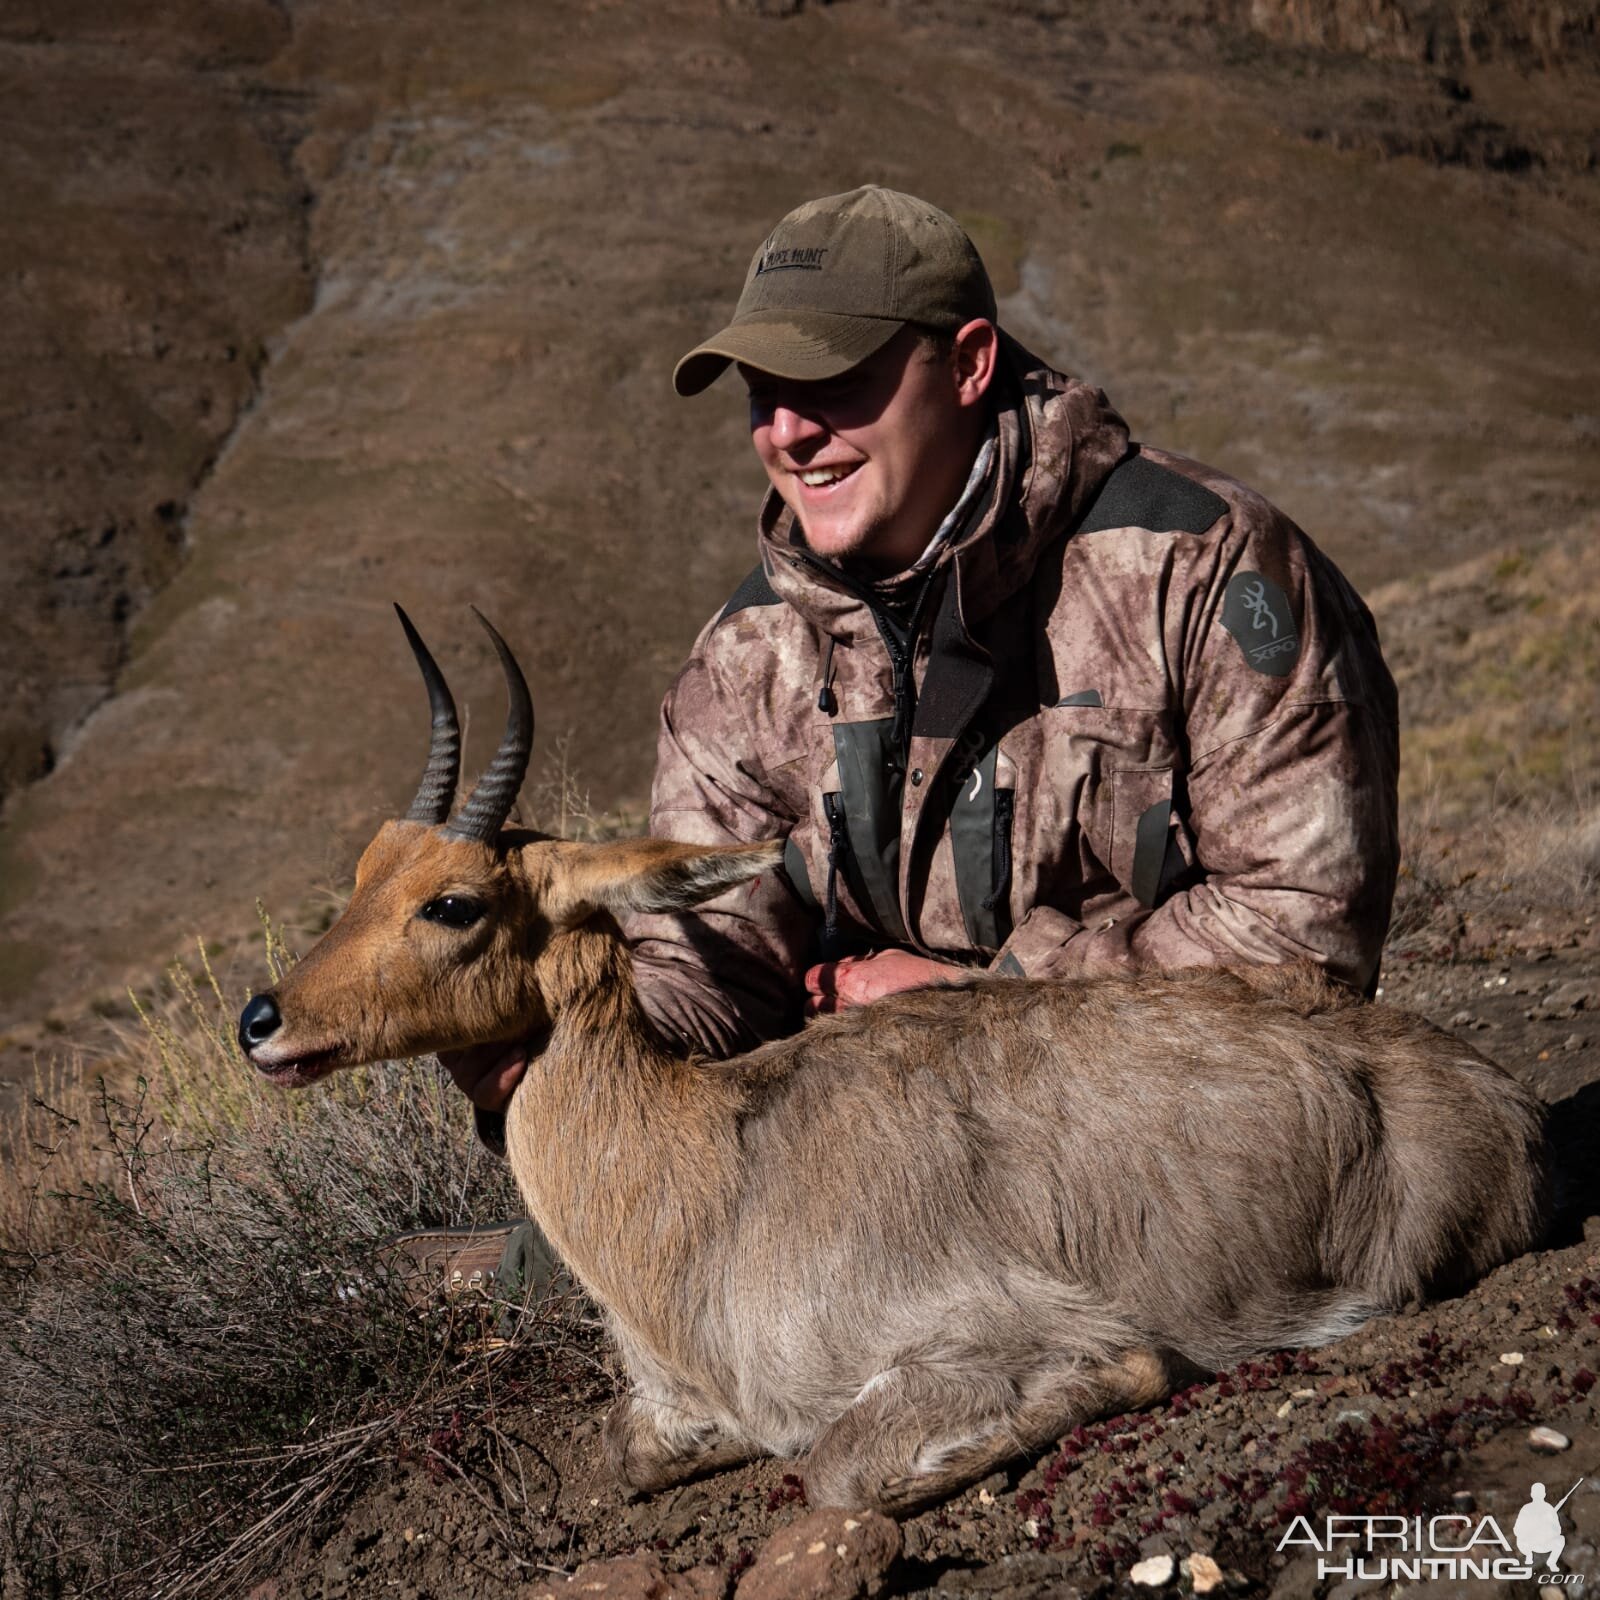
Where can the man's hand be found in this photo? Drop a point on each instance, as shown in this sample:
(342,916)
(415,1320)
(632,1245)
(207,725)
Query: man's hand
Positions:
(487,1073)
(857,980)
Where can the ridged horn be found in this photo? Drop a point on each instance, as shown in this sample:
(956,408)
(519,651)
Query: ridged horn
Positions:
(437,791)
(485,812)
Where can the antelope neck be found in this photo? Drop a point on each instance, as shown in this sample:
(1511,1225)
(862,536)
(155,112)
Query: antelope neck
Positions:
(625,1153)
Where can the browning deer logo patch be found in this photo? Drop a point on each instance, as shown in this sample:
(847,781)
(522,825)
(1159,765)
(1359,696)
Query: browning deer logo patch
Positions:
(1256,612)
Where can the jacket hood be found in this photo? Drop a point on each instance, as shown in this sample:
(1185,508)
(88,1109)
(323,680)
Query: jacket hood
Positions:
(1057,440)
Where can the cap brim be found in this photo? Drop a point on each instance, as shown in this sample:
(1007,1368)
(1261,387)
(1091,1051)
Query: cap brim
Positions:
(791,344)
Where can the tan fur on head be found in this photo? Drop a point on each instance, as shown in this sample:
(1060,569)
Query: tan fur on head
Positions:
(386,981)
(650,875)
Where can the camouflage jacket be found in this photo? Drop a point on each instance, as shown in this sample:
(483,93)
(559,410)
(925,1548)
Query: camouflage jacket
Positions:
(1132,717)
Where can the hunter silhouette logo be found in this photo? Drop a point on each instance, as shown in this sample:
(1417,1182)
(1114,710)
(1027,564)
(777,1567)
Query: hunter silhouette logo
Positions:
(1448,1548)
(1537,1529)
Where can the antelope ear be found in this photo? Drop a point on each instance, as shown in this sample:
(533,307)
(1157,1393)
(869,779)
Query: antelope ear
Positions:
(650,875)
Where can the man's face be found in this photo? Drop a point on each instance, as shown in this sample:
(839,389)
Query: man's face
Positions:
(872,460)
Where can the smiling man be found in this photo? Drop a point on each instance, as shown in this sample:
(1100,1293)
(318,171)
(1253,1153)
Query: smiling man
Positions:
(1023,695)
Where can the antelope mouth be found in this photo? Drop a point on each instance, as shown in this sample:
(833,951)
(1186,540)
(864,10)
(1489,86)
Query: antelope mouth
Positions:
(296,1071)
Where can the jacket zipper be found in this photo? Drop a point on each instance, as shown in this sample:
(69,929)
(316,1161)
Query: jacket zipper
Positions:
(1004,803)
(838,851)
(900,656)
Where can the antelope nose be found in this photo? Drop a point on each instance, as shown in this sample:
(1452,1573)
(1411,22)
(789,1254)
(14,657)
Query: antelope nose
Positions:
(258,1022)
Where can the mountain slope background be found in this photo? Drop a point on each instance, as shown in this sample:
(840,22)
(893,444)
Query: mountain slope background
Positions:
(314,309)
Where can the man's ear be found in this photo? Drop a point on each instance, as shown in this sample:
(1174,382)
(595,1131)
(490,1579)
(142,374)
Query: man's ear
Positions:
(649,875)
(975,355)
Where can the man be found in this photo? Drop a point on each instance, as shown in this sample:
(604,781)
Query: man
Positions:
(1537,1530)
(1022,695)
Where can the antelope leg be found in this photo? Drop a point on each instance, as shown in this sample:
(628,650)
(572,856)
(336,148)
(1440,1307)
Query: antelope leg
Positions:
(918,1434)
(654,1443)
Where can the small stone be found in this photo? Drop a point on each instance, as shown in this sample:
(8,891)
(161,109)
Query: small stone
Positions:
(1547,1441)
(1155,1572)
(637,1577)
(985,1498)
(1570,997)
(827,1555)
(1304,1394)
(1573,1041)
(1511,1358)
(1285,1408)
(1204,1573)
(1031,1527)
(1462,1019)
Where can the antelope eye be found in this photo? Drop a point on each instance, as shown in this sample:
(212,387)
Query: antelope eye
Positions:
(453,910)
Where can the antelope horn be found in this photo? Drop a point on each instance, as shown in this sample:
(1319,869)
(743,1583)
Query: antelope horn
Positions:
(437,791)
(485,812)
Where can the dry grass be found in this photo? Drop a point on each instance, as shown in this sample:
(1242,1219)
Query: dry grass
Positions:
(1497,661)
(204,1355)
(1529,856)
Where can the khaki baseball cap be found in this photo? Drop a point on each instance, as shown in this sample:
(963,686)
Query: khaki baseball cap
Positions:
(836,280)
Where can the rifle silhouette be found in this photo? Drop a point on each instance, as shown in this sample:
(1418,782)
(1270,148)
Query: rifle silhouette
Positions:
(1568,1495)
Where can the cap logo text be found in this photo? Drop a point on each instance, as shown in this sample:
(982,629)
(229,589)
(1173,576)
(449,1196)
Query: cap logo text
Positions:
(794,258)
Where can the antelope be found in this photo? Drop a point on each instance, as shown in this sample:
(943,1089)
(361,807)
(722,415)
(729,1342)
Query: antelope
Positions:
(922,1237)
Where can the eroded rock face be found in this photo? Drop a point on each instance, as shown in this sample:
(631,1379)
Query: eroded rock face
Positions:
(1447,33)
(146,255)
(516,229)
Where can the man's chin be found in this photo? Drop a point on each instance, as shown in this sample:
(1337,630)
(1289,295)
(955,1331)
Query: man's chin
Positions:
(848,548)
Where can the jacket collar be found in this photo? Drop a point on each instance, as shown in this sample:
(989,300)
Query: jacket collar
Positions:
(1056,439)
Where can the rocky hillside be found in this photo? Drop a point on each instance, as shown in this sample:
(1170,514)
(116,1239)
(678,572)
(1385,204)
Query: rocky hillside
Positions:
(315,307)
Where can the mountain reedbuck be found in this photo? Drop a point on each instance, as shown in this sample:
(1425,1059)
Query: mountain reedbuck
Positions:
(923,1236)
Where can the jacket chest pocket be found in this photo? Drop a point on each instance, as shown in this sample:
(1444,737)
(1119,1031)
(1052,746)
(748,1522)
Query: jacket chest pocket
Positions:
(1114,783)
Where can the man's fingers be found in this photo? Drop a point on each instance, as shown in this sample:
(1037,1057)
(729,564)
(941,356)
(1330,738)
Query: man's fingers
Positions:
(823,979)
(467,1066)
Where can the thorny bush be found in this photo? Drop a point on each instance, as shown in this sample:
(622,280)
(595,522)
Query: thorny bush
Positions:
(215,1356)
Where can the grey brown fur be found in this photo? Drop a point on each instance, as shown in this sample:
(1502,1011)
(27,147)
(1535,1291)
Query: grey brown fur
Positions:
(929,1234)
